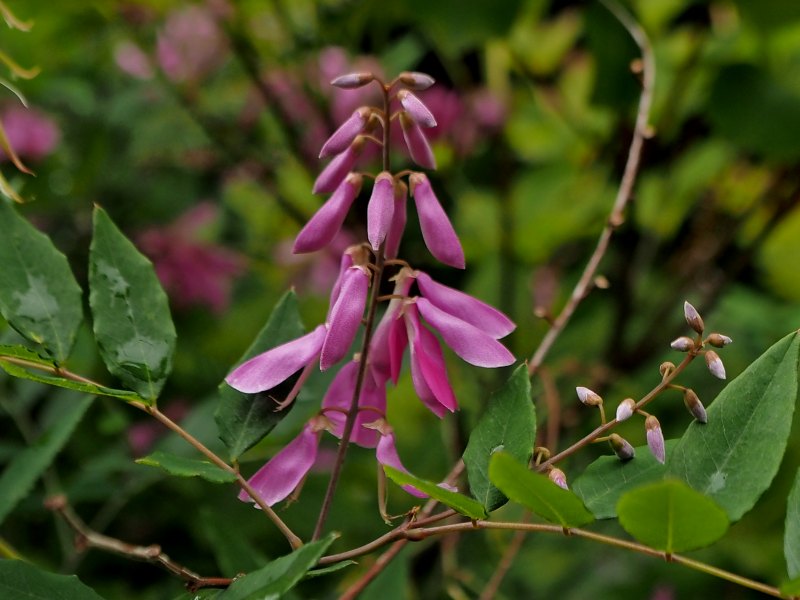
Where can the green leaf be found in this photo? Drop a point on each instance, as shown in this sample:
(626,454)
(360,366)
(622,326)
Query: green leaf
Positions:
(328,570)
(463,504)
(734,457)
(536,492)
(27,466)
(279,576)
(509,424)
(791,536)
(606,479)
(244,419)
(187,467)
(17,370)
(132,322)
(23,581)
(671,516)
(791,588)
(39,296)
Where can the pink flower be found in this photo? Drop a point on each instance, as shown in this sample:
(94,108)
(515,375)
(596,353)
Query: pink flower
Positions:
(417,143)
(437,231)
(286,470)
(398,226)
(465,307)
(131,59)
(472,344)
(30,133)
(415,108)
(380,209)
(428,370)
(345,316)
(347,132)
(327,221)
(371,405)
(389,339)
(386,453)
(336,170)
(193,271)
(265,371)
(190,45)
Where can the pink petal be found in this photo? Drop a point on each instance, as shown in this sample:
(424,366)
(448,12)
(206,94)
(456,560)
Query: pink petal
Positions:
(265,371)
(336,170)
(380,209)
(389,340)
(346,133)
(416,80)
(465,307)
(372,405)
(438,233)
(345,317)
(344,264)
(424,369)
(416,109)
(284,472)
(417,143)
(472,344)
(398,226)
(327,221)
(386,453)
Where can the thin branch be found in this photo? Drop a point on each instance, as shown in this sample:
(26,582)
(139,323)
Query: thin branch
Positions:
(603,429)
(85,538)
(293,540)
(153,411)
(617,215)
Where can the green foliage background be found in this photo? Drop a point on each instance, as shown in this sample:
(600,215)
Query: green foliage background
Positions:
(715,220)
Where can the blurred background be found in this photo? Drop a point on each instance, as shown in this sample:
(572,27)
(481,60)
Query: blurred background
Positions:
(197,126)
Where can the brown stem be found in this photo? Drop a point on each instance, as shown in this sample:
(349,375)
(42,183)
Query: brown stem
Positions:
(423,533)
(85,538)
(364,356)
(617,215)
(603,429)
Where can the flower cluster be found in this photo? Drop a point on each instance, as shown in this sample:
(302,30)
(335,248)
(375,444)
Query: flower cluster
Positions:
(418,309)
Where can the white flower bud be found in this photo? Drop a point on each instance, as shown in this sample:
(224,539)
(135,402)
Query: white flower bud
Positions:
(682,344)
(715,365)
(625,409)
(352,81)
(718,340)
(588,397)
(693,317)
(655,438)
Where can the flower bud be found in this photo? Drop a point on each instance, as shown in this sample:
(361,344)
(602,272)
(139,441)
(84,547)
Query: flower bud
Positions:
(693,317)
(416,109)
(694,406)
(415,81)
(588,397)
(715,365)
(682,344)
(665,368)
(625,409)
(655,438)
(352,81)
(557,476)
(621,447)
(718,340)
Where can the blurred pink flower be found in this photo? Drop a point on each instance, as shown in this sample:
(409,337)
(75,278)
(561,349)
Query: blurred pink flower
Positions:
(190,45)
(31,133)
(131,59)
(315,271)
(194,272)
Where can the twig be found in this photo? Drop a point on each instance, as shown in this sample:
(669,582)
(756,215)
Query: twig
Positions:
(86,538)
(397,534)
(617,215)
(153,411)
(603,429)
